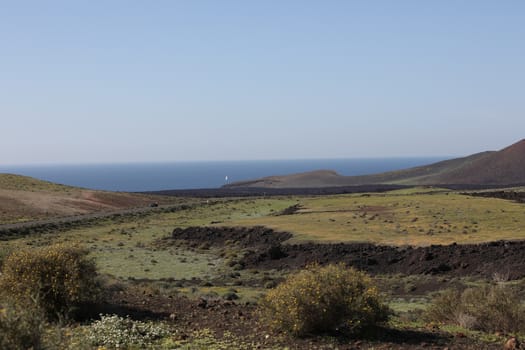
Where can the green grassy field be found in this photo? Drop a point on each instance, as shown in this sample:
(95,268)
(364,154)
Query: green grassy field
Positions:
(412,217)
(125,248)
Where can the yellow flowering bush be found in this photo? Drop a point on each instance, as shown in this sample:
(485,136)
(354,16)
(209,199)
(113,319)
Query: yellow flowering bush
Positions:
(58,278)
(324,299)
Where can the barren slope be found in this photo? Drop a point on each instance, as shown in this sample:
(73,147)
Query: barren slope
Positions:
(24,198)
(504,167)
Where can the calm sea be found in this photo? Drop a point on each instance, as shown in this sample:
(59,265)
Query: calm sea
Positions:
(186,175)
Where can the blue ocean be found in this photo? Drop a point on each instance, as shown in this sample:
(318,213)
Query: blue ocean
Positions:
(191,175)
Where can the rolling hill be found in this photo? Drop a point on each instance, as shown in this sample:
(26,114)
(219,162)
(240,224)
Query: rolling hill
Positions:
(504,167)
(24,198)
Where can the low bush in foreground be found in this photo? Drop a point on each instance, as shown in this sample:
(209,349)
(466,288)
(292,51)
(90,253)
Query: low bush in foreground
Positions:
(487,308)
(324,299)
(57,278)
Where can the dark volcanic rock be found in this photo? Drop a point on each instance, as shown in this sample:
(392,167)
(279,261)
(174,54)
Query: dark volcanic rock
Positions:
(268,250)
(509,195)
(244,236)
(506,258)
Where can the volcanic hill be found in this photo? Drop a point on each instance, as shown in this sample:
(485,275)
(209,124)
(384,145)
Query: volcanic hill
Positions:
(504,167)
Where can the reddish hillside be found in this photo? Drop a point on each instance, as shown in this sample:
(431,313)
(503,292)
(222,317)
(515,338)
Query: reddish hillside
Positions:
(24,198)
(503,167)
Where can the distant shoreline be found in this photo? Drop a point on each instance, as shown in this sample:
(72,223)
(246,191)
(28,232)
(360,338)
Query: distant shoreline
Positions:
(142,177)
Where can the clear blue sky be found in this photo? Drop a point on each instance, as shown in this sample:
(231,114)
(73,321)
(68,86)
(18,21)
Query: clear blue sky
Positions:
(104,81)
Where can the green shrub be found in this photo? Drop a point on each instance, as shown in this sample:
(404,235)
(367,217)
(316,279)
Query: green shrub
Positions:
(117,332)
(324,299)
(59,278)
(486,308)
(21,326)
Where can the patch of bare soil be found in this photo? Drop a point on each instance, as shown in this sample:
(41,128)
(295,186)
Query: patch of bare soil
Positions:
(25,205)
(12,209)
(120,200)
